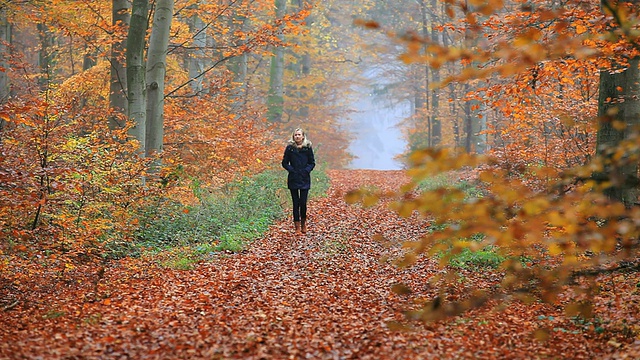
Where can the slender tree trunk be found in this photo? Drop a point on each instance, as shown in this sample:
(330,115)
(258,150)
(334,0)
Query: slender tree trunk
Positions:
(90,56)
(5,41)
(275,99)
(136,84)
(424,105)
(304,69)
(196,55)
(45,56)
(118,81)
(239,64)
(474,123)
(436,127)
(156,71)
(468,123)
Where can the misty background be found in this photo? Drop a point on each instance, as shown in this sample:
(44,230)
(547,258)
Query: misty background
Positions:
(376,136)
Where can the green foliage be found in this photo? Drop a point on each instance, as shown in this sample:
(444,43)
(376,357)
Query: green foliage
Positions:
(225,219)
(485,258)
(449,181)
(320,181)
(53,314)
(182,260)
(467,257)
(434,182)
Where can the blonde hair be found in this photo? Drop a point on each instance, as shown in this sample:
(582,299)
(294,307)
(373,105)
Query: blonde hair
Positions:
(305,141)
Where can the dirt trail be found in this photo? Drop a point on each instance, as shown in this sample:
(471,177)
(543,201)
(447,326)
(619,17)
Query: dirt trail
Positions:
(325,295)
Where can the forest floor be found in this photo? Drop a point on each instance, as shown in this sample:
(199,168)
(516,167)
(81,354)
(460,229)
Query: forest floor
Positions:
(324,295)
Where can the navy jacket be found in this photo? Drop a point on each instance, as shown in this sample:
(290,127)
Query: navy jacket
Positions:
(299,162)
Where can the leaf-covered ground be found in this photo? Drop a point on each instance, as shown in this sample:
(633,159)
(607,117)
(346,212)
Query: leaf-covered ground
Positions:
(326,295)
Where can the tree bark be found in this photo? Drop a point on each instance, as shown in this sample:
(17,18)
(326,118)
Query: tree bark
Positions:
(136,84)
(436,126)
(196,55)
(275,99)
(5,40)
(618,102)
(239,64)
(45,56)
(118,79)
(156,71)
(303,71)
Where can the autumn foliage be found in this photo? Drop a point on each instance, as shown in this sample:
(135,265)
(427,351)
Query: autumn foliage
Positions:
(527,110)
(73,181)
(543,206)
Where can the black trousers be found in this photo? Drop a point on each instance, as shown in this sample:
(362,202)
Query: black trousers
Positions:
(299,197)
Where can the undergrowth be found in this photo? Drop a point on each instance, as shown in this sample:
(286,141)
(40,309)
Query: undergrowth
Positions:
(224,220)
(487,257)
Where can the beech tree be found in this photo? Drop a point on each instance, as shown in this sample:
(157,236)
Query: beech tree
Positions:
(275,99)
(5,41)
(196,55)
(136,71)
(118,84)
(619,114)
(156,70)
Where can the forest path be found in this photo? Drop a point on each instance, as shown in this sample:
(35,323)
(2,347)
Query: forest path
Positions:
(325,295)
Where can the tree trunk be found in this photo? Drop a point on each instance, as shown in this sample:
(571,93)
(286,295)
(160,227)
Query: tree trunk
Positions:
(425,106)
(474,123)
(436,127)
(45,56)
(5,40)
(118,82)
(136,85)
(468,122)
(618,106)
(275,99)
(239,64)
(303,71)
(157,69)
(90,56)
(196,55)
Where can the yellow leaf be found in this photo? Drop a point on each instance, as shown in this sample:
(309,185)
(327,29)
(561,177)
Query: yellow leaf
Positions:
(555,249)
(618,125)
(352,197)
(580,29)
(401,289)
(541,334)
(536,206)
(583,309)
(370,199)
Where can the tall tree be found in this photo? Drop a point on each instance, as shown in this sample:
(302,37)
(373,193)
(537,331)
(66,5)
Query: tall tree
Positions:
(5,41)
(118,83)
(275,99)
(196,56)
(435,122)
(46,55)
(136,71)
(619,114)
(156,71)
(239,64)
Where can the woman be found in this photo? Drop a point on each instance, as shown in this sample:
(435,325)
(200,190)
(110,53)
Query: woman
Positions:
(298,160)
